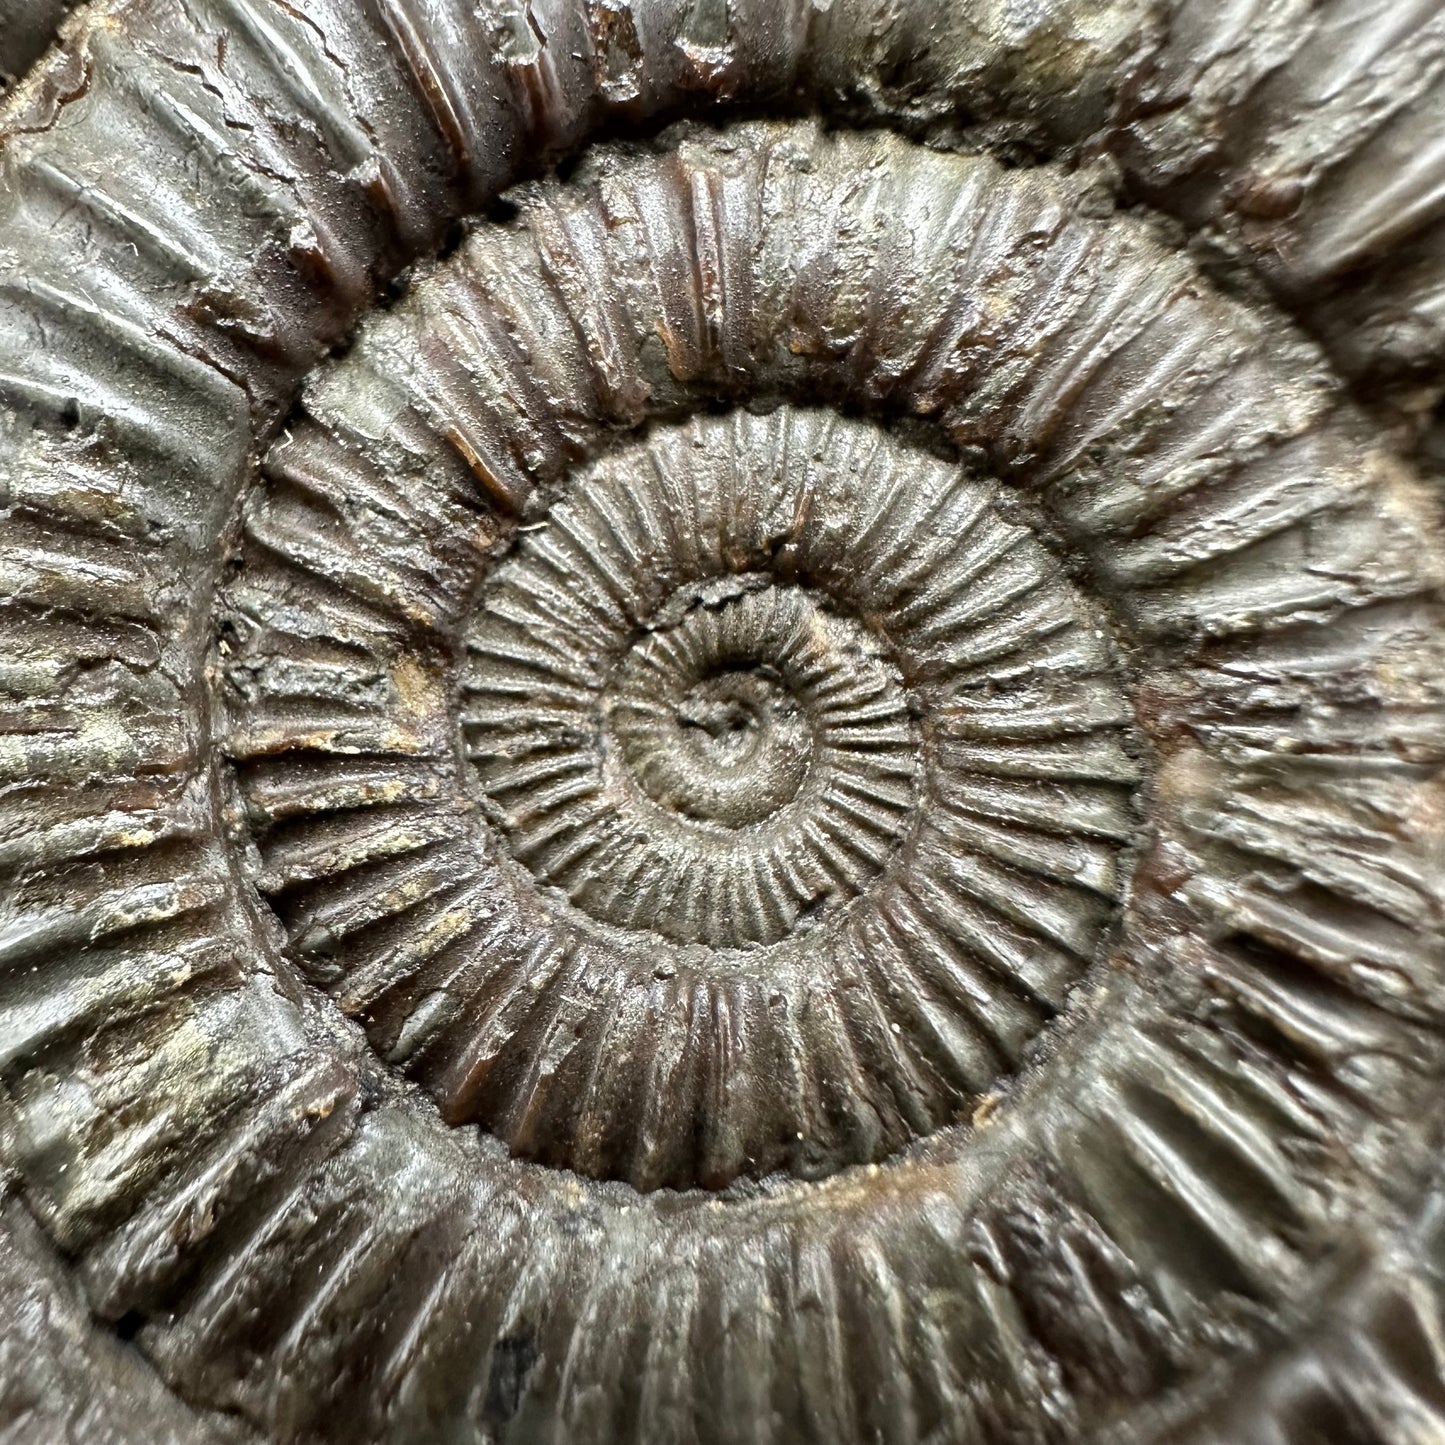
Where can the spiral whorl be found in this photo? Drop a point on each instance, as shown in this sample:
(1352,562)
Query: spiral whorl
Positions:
(687,782)
(784,786)
(737,699)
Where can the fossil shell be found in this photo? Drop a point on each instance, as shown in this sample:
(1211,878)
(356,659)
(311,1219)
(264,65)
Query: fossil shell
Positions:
(782,786)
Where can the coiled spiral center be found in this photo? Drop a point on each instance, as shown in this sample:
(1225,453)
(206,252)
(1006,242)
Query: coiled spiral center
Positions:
(710,713)
(750,743)
(783,786)
(735,750)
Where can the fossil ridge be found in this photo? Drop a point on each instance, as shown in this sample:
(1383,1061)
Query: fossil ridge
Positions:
(798,796)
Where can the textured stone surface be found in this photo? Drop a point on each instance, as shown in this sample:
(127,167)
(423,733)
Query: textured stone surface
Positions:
(61,1379)
(26,28)
(785,787)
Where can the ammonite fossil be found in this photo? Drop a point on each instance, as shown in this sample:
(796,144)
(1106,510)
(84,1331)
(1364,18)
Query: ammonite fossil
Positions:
(722,722)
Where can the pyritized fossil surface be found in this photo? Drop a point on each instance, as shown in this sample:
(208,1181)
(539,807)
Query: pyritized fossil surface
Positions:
(723,723)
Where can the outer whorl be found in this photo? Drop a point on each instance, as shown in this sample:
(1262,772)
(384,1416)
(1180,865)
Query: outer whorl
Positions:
(782,787)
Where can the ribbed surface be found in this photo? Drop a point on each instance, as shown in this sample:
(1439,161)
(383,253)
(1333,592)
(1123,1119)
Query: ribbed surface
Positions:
(838,925)
(1323,162)
(196,203)
(1260,559)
